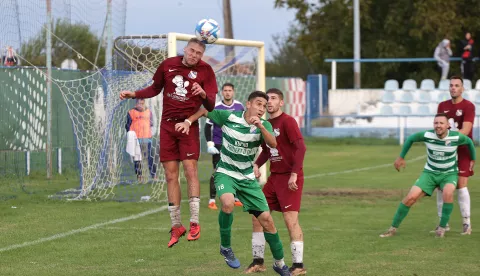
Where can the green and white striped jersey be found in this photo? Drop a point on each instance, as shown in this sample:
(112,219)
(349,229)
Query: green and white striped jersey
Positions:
(441,153)
(240,143)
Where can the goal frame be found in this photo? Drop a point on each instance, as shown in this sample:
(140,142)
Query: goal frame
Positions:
(172,39)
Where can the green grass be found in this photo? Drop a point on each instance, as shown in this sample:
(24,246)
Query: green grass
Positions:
(342,216)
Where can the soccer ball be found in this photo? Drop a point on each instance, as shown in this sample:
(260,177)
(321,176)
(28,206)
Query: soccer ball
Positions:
(207,30)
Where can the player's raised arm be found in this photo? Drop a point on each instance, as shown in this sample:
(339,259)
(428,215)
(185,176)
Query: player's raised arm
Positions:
(184,127)
(400,161)
(149,92)
(266,130)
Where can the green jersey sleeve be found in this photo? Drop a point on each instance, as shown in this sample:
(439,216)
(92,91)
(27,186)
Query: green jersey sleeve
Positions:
(268,127)
(219,117)
(465,140)
(417,137)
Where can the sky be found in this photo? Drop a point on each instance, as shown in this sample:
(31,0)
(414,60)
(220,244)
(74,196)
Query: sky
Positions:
(181,16)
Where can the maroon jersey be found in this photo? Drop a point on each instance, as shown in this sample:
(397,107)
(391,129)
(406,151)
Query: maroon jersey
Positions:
(177,80)
(459,113)
(282,159)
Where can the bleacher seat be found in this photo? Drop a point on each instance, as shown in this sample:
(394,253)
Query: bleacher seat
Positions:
(477,97)
(423,109)
(423,96)
(427,84)
(406,97)
(404,110)
(441,96)
(468,95)
(386,110)
(409,85)
(391,85)
(467,84)
(388,97)
(477,85)
(444,85)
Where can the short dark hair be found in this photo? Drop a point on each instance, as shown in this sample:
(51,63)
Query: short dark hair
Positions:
(441,115)
(228,84)
(197,41)
(257,94)
(275,91)
(457,78)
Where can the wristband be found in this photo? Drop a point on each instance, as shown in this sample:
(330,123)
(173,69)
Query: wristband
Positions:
(188,121)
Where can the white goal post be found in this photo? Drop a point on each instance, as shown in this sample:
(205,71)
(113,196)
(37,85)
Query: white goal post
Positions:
(99,117)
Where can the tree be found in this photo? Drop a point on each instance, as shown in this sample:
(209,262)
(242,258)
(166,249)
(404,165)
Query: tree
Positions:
(288,59)
(76,36)
(389,29)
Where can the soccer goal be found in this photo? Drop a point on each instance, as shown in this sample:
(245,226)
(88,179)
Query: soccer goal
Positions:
(99,117)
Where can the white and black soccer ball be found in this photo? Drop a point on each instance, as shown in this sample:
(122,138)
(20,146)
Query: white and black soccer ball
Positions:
(207,30)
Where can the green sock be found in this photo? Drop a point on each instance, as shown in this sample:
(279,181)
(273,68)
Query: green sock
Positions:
(225,221)
(401,213)
(275,245)
(446,212)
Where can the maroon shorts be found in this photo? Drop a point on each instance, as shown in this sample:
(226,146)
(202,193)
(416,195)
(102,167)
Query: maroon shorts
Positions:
(176,145)
(464,161)
(279,197)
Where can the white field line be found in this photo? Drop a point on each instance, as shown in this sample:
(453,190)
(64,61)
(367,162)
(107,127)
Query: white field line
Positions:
(84,229)
(361,169)
(157,210)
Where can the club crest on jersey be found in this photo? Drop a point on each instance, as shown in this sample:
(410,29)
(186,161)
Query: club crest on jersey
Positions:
(448,142)
(276,132)
(192,74)
(459,112)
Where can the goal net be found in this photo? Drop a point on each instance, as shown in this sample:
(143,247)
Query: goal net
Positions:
(99,117)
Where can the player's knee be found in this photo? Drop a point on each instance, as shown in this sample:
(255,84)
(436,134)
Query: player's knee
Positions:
(410,200)
(228,207)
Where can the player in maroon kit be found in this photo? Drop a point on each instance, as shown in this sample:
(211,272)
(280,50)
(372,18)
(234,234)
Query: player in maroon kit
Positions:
(461,114)
(284,186)
(187,83)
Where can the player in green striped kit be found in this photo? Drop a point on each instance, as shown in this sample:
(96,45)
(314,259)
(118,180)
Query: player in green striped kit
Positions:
(440,171)
(243,133)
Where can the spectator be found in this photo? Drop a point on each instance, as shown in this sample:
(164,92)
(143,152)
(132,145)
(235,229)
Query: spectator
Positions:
(442,55)
(10,58)
(140,120)
(467,57)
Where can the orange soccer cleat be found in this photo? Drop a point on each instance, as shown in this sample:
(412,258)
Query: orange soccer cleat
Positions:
(212,206)
(194,233)
(238,203)
(175,234)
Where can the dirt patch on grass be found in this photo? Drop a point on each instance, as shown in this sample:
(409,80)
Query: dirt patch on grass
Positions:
(354,193)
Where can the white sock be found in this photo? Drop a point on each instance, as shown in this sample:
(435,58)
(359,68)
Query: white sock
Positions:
(297,251)
(194,203)
(258,245)
(175,215)
(439,203)
(464,203)
(236,199)
(279,263)
(211,200)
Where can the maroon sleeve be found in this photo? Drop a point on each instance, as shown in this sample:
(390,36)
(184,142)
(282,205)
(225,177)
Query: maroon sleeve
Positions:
(299,155)
(211,88)
(295,137)
(439,107)
(156,87)
(263,157)
(469,115)
(292,129)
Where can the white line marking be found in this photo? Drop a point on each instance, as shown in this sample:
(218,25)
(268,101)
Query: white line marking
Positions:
(361,169)
(157,210)
(80,230)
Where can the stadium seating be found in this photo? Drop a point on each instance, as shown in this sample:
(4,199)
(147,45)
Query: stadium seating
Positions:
(410,100)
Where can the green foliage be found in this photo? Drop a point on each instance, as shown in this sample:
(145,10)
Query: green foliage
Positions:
(77,36)
(389,29)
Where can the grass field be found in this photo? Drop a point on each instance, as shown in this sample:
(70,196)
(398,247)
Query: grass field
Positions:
(351,193)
